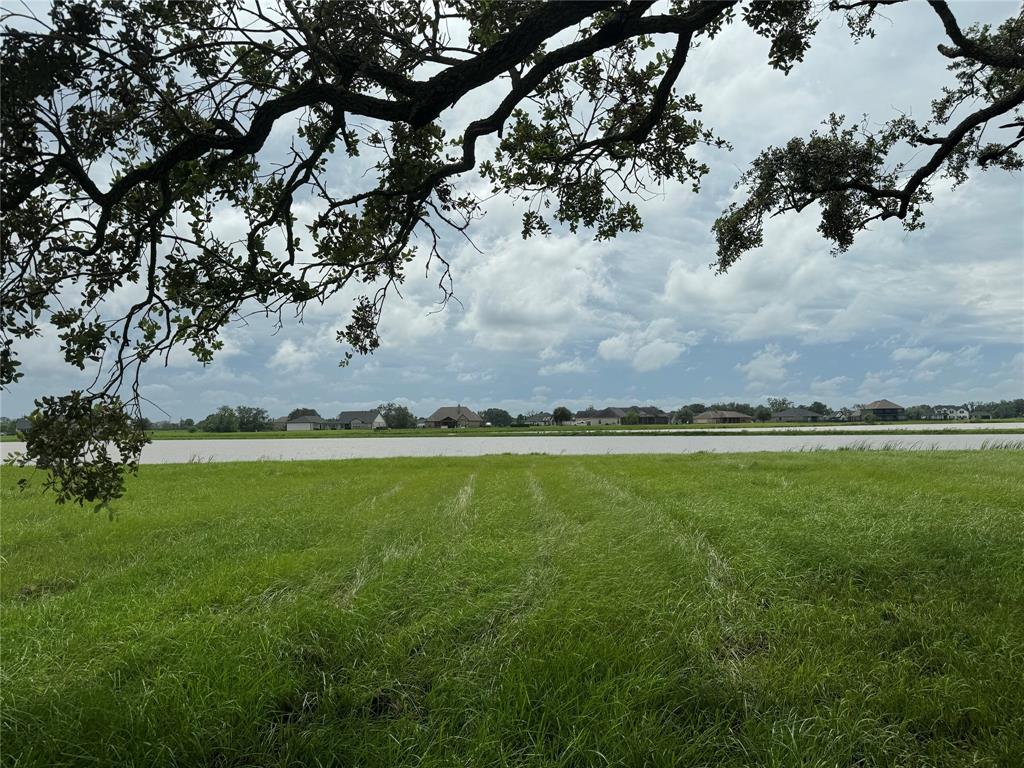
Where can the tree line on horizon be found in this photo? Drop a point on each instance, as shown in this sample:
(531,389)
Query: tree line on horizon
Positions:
(248,418)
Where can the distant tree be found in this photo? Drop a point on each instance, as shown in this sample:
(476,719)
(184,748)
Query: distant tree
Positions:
(779,403)
(918,412)
(762,413)
(145,424)
(303,412)
(632,417)
(252,419)
(397,416)
(819,407)
(685,414)
(497,416)
(186,424)
(561,415)
(7,426)
(224,420)
(1000,410)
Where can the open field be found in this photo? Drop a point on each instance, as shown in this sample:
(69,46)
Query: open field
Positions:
(854,608)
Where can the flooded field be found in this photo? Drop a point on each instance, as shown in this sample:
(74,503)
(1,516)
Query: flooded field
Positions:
(184,451)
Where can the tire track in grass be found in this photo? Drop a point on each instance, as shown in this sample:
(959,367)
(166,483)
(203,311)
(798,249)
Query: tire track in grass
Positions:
(727,599)
(719,573)
(516,546)
(459,508)
(556,533)
(373,563)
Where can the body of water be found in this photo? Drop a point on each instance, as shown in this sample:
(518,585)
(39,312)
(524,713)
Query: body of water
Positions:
(184,451)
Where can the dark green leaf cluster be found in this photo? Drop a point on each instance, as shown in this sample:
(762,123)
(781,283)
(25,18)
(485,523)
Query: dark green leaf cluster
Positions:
(86,445)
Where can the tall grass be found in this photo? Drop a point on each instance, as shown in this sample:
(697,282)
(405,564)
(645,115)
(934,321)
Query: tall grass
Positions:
(814,609)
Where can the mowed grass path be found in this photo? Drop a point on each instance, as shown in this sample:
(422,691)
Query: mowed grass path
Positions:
(818,609)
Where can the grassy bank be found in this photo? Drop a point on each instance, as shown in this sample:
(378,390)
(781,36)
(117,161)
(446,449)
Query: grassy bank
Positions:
(862,608)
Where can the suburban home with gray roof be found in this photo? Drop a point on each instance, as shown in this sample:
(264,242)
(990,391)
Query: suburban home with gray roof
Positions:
(306,423)
(883,410)
(361,420)
(591,416)
(797,414)
(542,419)
(454,417)
(279,424)
(649,414)
(645,414)
(722,417)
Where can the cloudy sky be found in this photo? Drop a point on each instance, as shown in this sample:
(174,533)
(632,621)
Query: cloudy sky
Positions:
(932,316)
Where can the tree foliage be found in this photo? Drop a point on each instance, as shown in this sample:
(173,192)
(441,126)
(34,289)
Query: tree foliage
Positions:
(497,417)
(561,415)
(252,419)
(397,416)
(128,127)
(224,419)
(297,412)
(779,403)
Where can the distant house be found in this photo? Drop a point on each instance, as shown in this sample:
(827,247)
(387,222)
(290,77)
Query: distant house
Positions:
(280,423)
(645,414)
(949,412)
(722,417)
(797,414)
(541,419)
(306,423)
(360,420)
(592,416)
(421,423)
(649,414)
(22,425)
(883,410)
(454,417)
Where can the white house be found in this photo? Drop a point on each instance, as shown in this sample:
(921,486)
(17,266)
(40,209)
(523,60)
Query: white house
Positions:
(361,420)
(951,412)
(305,424)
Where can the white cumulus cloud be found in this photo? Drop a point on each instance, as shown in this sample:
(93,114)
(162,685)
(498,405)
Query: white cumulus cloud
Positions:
(767,366)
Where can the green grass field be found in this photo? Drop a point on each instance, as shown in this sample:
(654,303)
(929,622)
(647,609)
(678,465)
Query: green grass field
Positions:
(814,609)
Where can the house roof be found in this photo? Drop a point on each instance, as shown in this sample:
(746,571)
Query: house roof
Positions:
(723,415)
(542,416)
(616,412)
(796,413)
(880,404)
(281,420)
(454,412)
(647,410)
(603,413)
(347,417)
